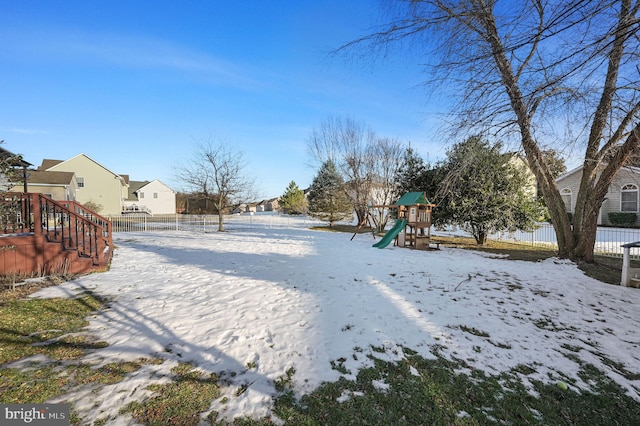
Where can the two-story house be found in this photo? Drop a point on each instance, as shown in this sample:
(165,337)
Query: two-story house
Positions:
(153,197)
(96,184)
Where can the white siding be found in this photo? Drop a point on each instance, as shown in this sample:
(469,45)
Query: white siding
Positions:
(158,198)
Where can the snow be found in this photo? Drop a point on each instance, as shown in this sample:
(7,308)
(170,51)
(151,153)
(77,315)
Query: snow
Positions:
(255,301)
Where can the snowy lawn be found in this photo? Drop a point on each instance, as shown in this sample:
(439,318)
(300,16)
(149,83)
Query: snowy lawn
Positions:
(257,302)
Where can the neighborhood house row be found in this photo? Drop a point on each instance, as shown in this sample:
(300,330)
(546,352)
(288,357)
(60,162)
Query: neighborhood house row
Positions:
(84,180)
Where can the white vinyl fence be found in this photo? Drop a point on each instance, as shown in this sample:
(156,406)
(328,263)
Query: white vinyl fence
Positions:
(608,240)
(205,223)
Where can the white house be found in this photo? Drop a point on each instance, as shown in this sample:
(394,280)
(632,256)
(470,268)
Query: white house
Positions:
(153,197)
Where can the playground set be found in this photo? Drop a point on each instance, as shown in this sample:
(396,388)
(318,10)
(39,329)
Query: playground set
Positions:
(413,225)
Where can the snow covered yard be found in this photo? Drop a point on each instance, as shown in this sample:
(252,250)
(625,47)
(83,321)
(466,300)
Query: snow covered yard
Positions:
(255,301)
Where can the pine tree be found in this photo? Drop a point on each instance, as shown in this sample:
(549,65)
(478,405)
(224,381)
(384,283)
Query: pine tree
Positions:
(293,201)
(327,199)
(484,192)
(410,174)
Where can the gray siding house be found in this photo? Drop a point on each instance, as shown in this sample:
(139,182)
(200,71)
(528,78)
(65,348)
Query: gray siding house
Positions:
(622,195)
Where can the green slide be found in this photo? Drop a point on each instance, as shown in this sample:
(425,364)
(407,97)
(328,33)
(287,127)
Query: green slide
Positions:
(391,234)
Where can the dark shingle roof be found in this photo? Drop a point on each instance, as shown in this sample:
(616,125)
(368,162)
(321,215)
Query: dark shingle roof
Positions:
(35,177)
(48,163)
(134,186)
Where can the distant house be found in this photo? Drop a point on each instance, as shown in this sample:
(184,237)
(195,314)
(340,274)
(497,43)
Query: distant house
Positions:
(240,208)
(59,186)
(521,163)
(622,195)
(261,206)
(272,205)
(95,182)
(153,197)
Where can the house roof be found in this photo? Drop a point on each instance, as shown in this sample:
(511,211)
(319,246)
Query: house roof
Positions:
(412,199)
(4,154)
(49,178)
(134,186)
(579,169)
(48,163)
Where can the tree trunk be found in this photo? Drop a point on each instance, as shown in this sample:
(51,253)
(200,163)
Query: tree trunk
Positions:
(220,221)
(593,188)
(361,213)
(220,207)
(584,249)
(533,153)
(481,238)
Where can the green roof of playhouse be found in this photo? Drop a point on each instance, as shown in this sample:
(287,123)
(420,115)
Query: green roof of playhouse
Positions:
(412,199)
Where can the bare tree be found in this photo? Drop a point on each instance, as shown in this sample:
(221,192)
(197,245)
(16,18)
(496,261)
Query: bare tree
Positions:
(387,155)
(522,68)
(196,176)
(217,171)
(349,144)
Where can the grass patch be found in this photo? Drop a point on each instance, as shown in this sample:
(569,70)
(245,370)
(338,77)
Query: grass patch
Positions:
(34,385)
(38,383)
(474,331)
(339,366)
(420,391)
(179,402)
(337,227)
(15,286)
(42,326)
(48,327)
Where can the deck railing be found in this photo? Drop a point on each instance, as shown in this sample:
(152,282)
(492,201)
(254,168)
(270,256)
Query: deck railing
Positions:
(69,223)
(16,214)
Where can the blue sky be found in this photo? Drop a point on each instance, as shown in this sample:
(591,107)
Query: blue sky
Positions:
(136,84)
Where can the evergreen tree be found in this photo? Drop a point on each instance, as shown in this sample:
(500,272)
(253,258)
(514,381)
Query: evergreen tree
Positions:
(293,201)
(484,192)
(410,175)
(327,198)
(416,176)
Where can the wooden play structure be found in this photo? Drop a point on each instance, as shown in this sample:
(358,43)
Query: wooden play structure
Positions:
(413,226)
(416,209)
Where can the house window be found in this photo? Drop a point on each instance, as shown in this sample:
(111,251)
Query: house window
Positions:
(155,195)
(80,182)
(566,197)
(629,198)
(142,195)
